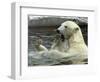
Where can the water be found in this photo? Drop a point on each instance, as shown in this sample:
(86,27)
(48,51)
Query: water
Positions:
(47,37)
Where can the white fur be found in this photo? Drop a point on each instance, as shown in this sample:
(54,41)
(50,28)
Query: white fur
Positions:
(39,47)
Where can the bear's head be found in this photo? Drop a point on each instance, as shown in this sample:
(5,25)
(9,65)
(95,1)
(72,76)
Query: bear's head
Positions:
(67,29)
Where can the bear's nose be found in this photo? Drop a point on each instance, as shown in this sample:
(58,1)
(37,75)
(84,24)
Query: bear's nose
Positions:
(57,31)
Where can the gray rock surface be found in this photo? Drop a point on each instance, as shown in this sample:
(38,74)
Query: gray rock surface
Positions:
(54,21)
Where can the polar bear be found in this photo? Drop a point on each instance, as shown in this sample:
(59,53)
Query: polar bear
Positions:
(72,32)
(70,45)
(76,45)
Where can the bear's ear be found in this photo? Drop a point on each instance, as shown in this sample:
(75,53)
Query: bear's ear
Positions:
(76,29)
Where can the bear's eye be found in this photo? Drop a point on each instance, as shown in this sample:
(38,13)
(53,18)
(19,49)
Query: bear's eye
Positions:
(65,26)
